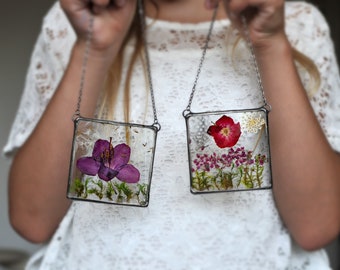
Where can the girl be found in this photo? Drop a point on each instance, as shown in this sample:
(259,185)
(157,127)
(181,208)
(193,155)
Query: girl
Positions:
(280,228)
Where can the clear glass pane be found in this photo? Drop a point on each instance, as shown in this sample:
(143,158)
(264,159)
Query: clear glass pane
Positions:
(228,151)
(111,162)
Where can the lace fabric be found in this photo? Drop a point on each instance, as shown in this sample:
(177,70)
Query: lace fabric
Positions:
(179,230)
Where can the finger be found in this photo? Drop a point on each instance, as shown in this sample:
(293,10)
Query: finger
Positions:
(250,7)
(211,4)
(98,6)
(119,3)
(237,7)
(100,3)
(231,13)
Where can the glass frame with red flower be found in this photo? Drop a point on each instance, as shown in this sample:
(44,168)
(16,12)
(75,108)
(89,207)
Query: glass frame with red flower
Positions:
(228,150)
(246,164)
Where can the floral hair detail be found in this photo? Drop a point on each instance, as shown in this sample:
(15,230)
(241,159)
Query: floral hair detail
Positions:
(225,132)
(109,162)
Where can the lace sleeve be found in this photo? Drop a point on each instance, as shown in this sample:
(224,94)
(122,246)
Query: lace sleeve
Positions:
(47,64)
(310,34)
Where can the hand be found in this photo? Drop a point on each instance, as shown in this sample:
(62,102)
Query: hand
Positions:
(265,18)
(111,20)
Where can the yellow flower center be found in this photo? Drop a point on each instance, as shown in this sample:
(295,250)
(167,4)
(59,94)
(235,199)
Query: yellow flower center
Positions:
(225,131)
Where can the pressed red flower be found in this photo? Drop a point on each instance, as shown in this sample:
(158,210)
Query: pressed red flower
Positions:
(225,132)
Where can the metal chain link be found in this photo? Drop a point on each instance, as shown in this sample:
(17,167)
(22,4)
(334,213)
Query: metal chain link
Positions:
(84,66)
(201,60)
(253,58)
(148,66)
(255,65)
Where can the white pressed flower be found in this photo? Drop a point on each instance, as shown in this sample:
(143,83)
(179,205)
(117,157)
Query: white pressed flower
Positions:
(252,122)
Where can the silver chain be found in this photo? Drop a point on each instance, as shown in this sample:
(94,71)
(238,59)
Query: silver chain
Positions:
(86,57)
(202,59)
(253,58)
(148,66)
(84,65)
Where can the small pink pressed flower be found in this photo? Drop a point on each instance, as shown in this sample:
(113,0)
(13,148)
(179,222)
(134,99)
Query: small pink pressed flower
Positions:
(225,132)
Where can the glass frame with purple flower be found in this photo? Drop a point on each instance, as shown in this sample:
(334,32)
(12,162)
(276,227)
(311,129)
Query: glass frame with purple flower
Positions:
(111,162)
(228,150)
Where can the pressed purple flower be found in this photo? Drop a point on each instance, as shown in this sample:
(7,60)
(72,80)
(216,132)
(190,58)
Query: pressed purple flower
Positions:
(109,162)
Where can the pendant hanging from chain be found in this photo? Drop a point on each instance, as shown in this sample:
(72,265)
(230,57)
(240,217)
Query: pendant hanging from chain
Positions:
(112,162)
(228,150)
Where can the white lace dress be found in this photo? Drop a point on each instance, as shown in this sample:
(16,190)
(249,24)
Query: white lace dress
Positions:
(240,230)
